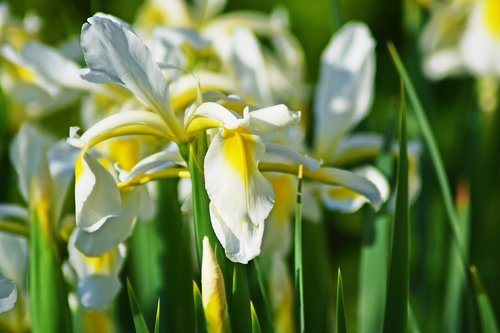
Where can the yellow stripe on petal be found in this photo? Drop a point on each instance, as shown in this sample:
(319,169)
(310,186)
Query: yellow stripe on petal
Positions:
(492,16)
(238,150)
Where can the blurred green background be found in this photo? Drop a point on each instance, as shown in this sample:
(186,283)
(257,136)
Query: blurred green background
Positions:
(468,139)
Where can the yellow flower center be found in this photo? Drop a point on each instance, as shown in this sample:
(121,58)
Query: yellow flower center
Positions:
(492,16)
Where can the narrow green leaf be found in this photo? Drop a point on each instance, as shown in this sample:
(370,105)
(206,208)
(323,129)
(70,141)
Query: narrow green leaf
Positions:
(455,286)
(139,321)
(255,320)
(374,260)
(432,147)
(240,314)
(341,323)
(373,274)
(299,277)
(48,291)
(200,322)
(177,312)
(15,228)
(258,295)
(487,314)
(146,249)
(201,213)
(396,312)
(157,320)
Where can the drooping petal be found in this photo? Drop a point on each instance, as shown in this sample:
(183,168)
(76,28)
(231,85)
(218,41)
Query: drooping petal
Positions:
(241,240)
(213,292)
(98,291)
(234,184)
(97,197)
(8,295)
(113,230)
(353,182)
(116,54)
(272,119)
(344,94)
(345,200)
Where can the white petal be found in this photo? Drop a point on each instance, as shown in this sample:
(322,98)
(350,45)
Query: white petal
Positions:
(98,291)
(97,197)
(241,240)
(250,68)
(14,258)
(291,155)
(8,295)
(28,155)
(273,118)
(344,94)
(115,54)
(216,112)
(352,182)
(234,184)
(161,160)
(54,66)
(62,159)
(207,9)
(345,200)
(480,48)
(113,230)
(15,212)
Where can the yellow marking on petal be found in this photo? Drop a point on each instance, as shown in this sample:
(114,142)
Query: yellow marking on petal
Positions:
(79,169)
(126,152)
(104,264)
(492,16)
(342,193)
(96,321)
(23,73)
(238,149)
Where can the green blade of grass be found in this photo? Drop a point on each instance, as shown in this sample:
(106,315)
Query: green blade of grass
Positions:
(259,296)
(457,278)
(336,14)
(255,320)
(412,321)
(48,292)
(139,321)
(299,277)
(157,319)
(432,147)
(200,322)
(487,315)
(341,323)
(240,314)
(396,312)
